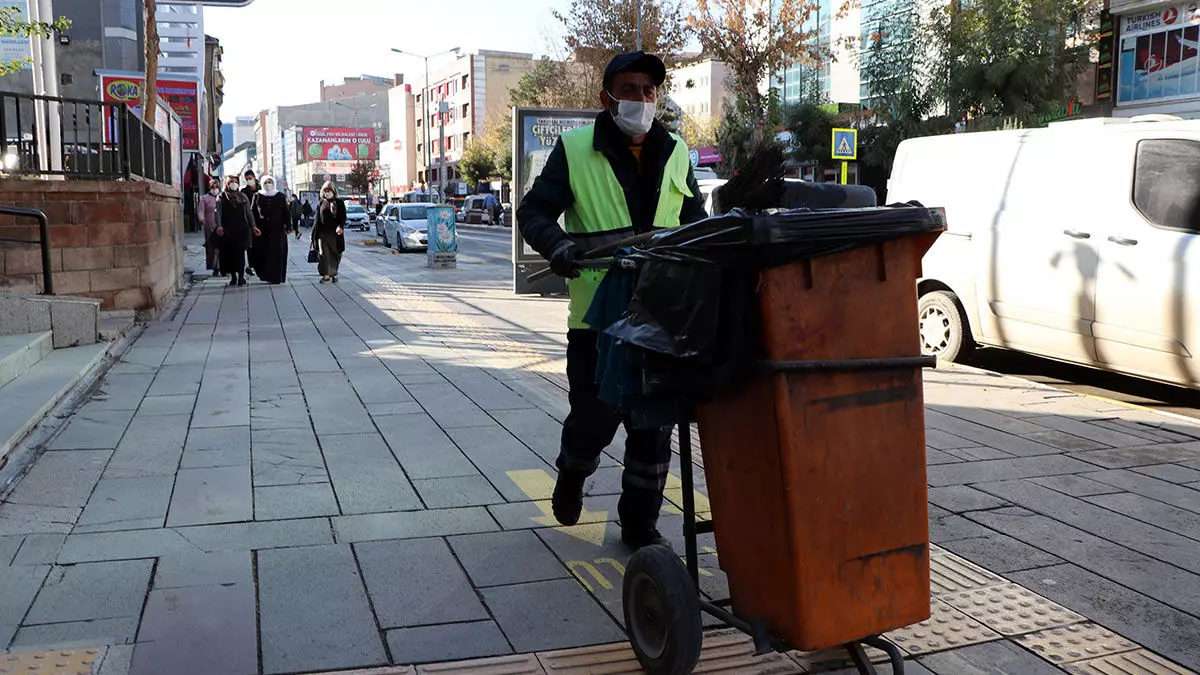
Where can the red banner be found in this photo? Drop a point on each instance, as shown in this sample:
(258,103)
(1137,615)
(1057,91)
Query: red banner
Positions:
(337,144)
(182,95)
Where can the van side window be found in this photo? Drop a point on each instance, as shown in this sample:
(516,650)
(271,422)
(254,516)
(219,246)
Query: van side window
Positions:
(1166,183)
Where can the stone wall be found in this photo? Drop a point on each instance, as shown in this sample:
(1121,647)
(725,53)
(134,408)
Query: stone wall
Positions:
(118,241)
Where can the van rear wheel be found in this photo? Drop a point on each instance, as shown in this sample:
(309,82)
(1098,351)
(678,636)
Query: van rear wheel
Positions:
(944,329)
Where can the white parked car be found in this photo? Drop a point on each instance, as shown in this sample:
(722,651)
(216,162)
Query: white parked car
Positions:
(357,217)
(405,226)
(1076,242)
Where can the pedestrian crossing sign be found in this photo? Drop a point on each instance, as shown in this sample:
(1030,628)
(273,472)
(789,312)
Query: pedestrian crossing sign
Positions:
(845,144)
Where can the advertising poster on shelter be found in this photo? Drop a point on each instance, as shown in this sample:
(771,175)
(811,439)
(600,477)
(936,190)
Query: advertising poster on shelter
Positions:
(535,134)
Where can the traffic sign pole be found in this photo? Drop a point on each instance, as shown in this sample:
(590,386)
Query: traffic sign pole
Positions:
(845,148)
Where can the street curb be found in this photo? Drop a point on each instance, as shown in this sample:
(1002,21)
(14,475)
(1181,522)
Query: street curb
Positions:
(1046,387)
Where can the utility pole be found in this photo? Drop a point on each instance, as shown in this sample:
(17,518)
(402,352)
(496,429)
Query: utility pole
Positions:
(45,83)
(426,133)
(639,24)
(443,108)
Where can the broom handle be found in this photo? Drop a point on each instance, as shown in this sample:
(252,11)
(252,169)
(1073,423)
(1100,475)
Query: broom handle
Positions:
(601,252)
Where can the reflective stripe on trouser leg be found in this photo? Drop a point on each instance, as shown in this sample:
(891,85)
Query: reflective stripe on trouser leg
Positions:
(647,462)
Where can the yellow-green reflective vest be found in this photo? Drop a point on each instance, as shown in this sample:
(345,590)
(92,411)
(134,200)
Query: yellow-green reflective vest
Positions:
(600,215)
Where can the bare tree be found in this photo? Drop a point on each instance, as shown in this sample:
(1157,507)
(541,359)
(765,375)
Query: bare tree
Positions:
(756,38)
(597,30)
(149,107)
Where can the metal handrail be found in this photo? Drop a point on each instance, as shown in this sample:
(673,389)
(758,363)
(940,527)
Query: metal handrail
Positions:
(44,232)
(99,139)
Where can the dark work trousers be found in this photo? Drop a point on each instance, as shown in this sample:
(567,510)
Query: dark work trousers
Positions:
(590,428)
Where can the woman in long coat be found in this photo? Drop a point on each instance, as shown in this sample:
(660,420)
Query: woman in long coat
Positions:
(273,216)
(235,224)
(208,219)
(328,232)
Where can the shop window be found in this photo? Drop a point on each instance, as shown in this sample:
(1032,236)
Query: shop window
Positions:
(1165,188)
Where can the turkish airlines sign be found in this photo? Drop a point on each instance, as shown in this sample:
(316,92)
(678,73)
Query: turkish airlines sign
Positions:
(1158,20)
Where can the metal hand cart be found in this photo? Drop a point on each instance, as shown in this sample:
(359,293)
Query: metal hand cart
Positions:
(818,490)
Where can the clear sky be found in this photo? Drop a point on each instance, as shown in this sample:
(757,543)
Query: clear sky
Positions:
(278,51)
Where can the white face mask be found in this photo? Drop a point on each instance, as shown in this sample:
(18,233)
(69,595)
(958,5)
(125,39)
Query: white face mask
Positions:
(634,117)
(269,189)
(214,192)
(327,194)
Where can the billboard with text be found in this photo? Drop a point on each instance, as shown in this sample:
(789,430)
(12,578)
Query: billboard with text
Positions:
(337,144)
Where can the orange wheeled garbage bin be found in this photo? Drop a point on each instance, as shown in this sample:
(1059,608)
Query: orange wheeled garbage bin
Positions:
(816,468)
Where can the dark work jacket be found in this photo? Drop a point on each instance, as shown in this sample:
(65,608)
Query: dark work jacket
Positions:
(331,214)
(540,209)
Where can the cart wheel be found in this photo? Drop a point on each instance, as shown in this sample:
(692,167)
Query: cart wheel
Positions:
(662,612)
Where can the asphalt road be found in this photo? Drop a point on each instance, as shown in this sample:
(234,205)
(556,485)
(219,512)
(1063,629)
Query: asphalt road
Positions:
(1077,379)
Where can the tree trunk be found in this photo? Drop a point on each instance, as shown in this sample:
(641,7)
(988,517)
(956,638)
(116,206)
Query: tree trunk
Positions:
(150,93)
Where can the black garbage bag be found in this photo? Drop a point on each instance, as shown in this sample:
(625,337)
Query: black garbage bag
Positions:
(693,291)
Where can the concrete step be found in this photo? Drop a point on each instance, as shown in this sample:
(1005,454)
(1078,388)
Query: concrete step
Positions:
(74,321)
(19,353)
(26,399)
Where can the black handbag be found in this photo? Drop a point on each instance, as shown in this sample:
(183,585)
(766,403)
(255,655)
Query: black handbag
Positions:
(313,255)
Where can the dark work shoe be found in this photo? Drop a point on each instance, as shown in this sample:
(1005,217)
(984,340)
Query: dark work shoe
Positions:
(641,537)
(241,281)
(568,496)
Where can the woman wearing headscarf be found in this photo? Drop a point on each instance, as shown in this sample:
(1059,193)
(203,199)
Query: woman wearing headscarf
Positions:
(235,224)
(273,216)
(331,220)
(208,219)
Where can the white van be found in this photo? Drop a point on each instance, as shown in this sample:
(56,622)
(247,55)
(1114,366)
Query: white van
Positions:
(1077,242)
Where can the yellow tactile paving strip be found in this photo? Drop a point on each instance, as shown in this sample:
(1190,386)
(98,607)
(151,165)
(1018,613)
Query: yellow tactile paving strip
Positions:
(970,605)
(56,662)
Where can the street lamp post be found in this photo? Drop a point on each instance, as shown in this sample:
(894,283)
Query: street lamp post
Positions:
(639,25)
(426,134)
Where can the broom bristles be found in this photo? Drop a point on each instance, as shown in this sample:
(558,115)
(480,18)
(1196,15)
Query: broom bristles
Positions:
(757,183)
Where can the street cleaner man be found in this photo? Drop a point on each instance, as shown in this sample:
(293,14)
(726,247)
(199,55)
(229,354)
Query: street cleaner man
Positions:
(621,176)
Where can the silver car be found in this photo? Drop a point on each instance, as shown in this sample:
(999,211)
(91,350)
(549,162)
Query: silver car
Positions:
(405,226)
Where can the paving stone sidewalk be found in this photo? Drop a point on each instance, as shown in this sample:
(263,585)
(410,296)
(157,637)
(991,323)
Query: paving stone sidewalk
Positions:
(314,477)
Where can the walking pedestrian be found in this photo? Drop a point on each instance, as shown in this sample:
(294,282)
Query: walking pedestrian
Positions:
(208,220)
(623,175)
(328,232)
(272,215)
(235,225)
(306,212)
(251,187)
(295,212)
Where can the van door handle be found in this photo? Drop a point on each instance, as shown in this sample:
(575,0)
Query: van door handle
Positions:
(1076,234)
(1122,241)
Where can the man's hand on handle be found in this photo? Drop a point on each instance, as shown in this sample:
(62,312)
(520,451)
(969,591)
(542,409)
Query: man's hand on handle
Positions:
(563,262)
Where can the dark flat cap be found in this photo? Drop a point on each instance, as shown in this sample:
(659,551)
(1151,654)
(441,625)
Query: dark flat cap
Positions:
(635,62)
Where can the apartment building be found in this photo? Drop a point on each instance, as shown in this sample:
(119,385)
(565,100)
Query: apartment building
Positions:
(181,39)
(835,79)
(104,35)
(699,88)
(357,86)
(475,86)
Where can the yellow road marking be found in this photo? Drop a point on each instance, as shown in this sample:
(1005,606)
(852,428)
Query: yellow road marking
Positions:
(538,485)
